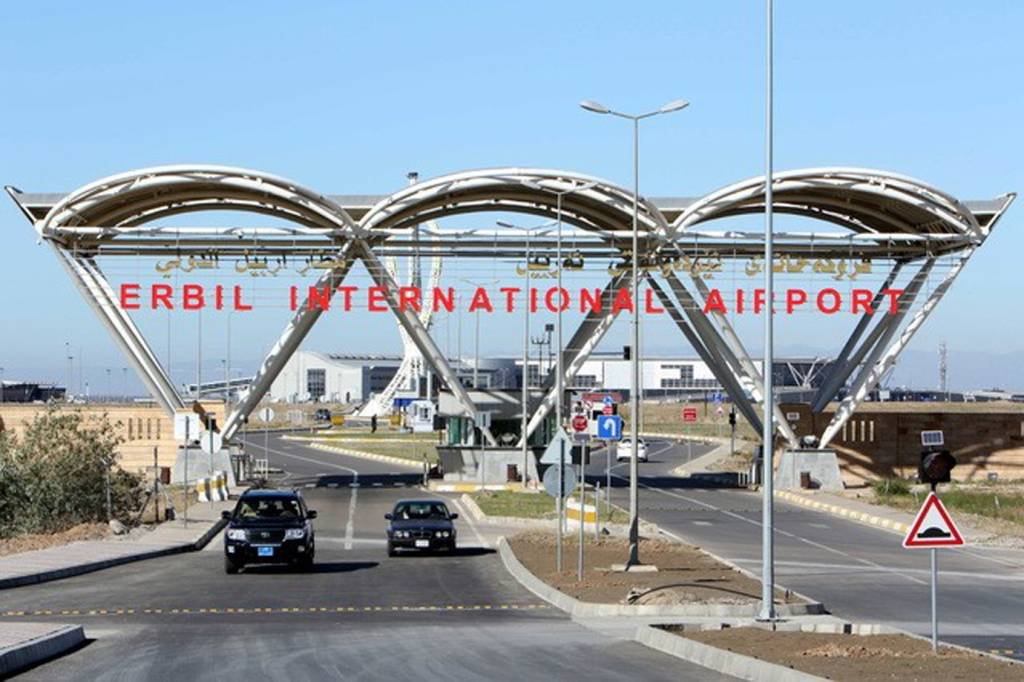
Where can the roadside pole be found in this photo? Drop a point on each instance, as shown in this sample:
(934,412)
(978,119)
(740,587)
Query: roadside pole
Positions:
(935,600)
(560,505)
(583,500)
(211,461)
(156,486)
(608,481)
(186,472)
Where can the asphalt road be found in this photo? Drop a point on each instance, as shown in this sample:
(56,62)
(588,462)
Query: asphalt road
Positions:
(858,571)
(359,615)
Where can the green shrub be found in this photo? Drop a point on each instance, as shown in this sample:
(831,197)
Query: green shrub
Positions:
(54,476)
(891,486)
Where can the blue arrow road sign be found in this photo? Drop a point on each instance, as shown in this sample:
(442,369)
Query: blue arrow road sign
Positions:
(608,400)
(609,427)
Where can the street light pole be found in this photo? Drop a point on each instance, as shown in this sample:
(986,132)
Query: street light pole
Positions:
(634,383)
(767,438)
(526,341)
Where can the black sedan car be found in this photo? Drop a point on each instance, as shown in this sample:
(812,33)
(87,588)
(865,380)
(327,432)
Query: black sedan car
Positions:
(423,525)
(269,527)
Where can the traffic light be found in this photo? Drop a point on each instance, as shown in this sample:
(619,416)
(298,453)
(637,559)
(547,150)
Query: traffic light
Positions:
(626,353)
(732,417)
(935,467)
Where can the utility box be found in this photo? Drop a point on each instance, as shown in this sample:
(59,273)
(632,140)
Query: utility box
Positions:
(819,470)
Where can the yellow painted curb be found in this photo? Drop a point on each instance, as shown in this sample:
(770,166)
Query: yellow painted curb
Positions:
(862,517)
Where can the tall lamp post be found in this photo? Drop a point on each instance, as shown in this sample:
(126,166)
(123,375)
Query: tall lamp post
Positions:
(529,231)
(559,362)
(634,383)
(767,612)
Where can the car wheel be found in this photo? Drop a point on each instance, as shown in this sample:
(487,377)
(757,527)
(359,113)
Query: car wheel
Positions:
(450,549)
(306,563)
(230,567)
(391,550)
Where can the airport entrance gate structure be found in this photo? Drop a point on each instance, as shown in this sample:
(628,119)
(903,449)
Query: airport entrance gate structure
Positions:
(903,222)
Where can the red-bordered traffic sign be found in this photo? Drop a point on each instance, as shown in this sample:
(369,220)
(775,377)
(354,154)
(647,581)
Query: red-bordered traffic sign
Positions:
(933,527)
(580,423)
(689,414)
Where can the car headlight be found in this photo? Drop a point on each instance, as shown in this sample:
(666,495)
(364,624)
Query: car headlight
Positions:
(441,533)
(295,534)
(236,534)
(400,533)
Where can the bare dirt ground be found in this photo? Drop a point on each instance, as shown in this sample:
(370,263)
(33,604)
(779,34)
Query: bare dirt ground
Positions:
(859,658)
(28,543)
(685,574)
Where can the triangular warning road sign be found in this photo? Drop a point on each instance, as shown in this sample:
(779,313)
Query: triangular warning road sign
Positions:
(933,527)
(554,452)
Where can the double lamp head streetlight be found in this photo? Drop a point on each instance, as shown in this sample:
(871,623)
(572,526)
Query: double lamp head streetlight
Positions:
(634,391)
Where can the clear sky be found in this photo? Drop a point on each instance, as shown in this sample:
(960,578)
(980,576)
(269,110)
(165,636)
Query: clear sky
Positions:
(347,97)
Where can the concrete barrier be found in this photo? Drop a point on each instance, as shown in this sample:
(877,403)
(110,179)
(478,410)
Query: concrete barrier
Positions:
(213,488)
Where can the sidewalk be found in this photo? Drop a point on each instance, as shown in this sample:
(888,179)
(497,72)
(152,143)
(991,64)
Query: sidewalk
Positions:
(171,537)
(25,644)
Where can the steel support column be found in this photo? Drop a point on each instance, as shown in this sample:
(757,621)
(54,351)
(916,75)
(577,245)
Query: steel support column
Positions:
(418,333)
(847,360)
(724,374)
(724,353)
(883,356)
(583,342)
(96,291)
(289,341)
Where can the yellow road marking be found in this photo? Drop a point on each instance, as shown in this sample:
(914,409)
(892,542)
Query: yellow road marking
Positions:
(206,611)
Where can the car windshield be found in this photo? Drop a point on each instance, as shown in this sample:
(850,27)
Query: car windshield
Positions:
(268,508)
(407,511)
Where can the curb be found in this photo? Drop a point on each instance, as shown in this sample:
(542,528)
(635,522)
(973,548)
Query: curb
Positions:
(836,510)
(719,660)
(619,529)
(581,609)
(79,569)
(366,455)
(471,487)
(37,649)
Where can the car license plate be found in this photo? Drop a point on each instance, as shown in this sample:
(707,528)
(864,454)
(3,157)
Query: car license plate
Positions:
(423,543)
(265,551)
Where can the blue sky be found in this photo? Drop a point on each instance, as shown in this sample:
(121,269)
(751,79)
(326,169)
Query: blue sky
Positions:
(347,97)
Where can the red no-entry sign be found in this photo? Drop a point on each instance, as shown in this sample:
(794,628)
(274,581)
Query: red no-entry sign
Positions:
(579,423)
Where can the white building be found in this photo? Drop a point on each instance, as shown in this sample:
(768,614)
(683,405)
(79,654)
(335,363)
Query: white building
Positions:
(330,377)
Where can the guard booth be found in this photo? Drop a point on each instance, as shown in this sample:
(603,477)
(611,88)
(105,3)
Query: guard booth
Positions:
(419,416)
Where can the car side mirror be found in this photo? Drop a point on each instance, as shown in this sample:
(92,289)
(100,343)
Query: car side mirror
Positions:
(453,516)
(388,516)
(226,515)
(311,514)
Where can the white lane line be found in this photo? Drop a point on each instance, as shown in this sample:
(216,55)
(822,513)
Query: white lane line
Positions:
(350,525)
(469,520)
(819,525)
(696,523)
(315,461)
(779,531)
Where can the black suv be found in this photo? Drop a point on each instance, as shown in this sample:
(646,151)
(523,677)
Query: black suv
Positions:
(420,524)
(269,527)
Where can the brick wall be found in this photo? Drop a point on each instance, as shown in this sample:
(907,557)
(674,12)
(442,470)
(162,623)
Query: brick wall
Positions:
(141,427)
(884,439)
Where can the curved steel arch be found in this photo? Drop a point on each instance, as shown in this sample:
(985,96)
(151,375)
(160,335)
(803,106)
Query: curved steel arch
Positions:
(605,207)
(860,199)
(133,198)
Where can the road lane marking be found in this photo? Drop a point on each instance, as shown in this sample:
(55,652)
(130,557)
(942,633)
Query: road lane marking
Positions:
(702,523)
(248,610)
(469,520)
(778,531)
(314,461)
(350,525)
